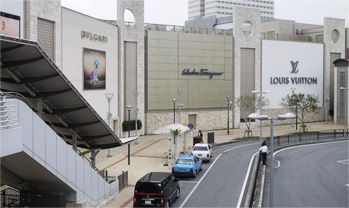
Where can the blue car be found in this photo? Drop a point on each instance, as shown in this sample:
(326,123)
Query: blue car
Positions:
(187,165)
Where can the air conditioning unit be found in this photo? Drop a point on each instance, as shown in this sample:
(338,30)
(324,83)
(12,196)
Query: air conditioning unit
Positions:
(298,32)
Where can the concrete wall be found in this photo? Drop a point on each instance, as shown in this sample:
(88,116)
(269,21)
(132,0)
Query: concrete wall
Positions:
(73,23)
(133,34)
(245,41)
(46,10)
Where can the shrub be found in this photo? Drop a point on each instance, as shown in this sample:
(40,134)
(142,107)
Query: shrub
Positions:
(132,125)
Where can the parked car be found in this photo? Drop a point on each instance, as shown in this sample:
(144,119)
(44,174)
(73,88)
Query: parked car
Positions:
(187,165)
(156,189)
(202,151)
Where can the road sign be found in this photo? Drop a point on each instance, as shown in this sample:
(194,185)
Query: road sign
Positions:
(191,126)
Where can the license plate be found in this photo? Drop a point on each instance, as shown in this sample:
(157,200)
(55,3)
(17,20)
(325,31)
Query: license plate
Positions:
(199,154)
(182,169)
(147,202)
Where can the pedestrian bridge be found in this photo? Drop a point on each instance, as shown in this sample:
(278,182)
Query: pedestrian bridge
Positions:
(44,120)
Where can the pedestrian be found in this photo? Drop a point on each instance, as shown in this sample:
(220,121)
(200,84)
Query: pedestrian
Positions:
(264,151)
(200,134)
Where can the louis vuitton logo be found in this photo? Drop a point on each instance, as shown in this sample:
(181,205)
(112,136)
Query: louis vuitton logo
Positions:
(294,66)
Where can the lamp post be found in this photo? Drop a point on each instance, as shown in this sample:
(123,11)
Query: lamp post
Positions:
(229,103)
(174,110)
(109,96)
(261,106)
(129,126)
(271,162)
(136,111)
(345,111)
(179,104)
(327,100)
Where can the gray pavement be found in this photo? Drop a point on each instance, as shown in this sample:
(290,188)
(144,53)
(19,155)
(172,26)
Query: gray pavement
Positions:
(151,153)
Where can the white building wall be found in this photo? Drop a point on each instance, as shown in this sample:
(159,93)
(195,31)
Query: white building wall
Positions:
(72,61)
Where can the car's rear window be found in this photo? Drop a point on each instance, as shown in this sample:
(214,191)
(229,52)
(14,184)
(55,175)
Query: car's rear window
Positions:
(198,148)
(148,187)
(185,161)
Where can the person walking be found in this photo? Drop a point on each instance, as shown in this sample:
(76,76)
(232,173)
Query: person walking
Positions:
(264,151)
(200,135)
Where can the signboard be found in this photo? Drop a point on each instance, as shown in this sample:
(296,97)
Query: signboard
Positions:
(94,69)
(10,25)
(287,64)
(191,126)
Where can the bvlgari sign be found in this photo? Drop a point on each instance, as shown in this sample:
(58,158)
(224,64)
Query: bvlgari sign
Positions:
(202,72)
(92,36)
(293,80)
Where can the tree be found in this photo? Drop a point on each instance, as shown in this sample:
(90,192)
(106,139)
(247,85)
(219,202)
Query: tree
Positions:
(301,105)
(248,104)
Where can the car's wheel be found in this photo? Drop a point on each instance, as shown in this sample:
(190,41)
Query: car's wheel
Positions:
(178,193)
(167,205)
(201,167)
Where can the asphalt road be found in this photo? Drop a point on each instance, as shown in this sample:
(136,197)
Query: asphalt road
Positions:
(312,176)
(220,185)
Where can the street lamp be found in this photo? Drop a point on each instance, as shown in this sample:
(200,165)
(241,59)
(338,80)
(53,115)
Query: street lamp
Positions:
(129,126)
(136,111)
(174,110)
(179,104)
(260,105)
(229,104)
(327,100)
(109,96)
(345,111)
(271,162)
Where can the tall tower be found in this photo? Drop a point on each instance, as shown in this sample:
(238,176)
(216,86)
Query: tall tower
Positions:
(225,8)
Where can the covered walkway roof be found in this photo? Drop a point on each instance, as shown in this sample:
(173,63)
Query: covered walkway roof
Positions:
(27,70)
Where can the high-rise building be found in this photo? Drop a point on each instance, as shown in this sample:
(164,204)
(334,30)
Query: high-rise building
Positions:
(201,8)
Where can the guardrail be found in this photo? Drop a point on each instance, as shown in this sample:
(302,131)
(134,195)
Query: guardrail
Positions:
(306,137)
(10,198)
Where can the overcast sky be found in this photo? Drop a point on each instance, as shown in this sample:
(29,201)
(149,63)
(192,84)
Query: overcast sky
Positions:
(175,12)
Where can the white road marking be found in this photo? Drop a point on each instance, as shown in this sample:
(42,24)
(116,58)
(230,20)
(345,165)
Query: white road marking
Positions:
(278,163)
(246,178)
(344,161)
(208,170)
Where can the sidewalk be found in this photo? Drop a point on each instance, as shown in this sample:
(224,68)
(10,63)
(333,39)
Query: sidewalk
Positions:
(151,153)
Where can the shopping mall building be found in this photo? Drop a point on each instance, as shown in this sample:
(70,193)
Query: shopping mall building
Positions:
(146,66)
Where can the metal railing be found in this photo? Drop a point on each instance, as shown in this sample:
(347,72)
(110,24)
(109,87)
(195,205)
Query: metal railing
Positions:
(10,198)
(123,180)
(8,117)
(307,137)
(13,96)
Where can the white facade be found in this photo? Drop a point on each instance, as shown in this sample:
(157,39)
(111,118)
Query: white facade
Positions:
(73,44)
(225,8)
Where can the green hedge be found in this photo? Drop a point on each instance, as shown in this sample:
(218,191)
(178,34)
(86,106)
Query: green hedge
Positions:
(132,125)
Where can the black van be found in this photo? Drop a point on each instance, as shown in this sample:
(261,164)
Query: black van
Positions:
(156,189)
